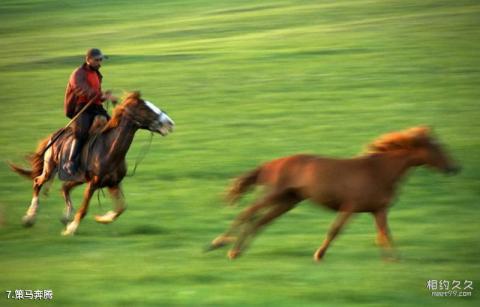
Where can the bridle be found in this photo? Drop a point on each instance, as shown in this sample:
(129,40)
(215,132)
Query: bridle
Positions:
(128,114)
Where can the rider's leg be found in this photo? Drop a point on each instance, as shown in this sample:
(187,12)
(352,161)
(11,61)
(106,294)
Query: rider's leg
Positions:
(80,129)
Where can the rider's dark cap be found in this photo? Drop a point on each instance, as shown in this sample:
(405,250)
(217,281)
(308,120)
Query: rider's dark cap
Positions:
(96,54)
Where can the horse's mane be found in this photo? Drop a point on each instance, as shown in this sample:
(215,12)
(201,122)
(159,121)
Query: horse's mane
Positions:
(400,140)
(120,110)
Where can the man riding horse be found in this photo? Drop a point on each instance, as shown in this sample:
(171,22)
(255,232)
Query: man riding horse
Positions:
(84,87)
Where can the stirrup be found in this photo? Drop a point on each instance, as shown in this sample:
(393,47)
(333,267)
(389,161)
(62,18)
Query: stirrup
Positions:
(69,168)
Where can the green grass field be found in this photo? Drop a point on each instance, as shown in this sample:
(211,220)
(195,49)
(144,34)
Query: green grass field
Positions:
(245,81)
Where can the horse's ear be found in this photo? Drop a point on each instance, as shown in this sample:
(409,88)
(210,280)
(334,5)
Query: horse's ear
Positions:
(420,131)
(136,94)
(419,134)
(132,95)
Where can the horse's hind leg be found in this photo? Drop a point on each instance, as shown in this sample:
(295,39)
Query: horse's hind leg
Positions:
(47,186)
(342,218)
(68,212)
(28,219)
(110,216)
(47,172)
(278,204)
(73,225)
(228,236)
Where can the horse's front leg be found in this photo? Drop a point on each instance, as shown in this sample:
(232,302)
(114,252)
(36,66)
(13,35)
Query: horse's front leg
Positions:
(73,225)
(68,212)
(119,202)
(334,230)
(384,238)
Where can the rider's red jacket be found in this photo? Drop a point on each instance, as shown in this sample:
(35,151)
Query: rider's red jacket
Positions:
(84,85)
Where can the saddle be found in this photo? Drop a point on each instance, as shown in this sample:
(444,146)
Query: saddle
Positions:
(64,150)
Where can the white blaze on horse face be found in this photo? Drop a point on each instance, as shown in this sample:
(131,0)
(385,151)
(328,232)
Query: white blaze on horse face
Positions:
(164,118)
(153,107)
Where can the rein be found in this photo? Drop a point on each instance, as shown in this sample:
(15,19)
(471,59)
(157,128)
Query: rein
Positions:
(61,131)
(141,155)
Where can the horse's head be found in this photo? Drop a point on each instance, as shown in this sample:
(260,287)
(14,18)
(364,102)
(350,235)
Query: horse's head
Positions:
(421,144)
(146,115)
(431,152)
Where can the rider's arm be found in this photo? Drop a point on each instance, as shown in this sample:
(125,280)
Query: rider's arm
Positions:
(81,86)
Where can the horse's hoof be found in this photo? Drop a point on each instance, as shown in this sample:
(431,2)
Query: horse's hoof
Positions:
(28,221)
(107,218)
(222,241)
(67,233)
(233,254)
(391,258)
(102,220)
(70,229)
(213,246)
(209,248)
(318,256)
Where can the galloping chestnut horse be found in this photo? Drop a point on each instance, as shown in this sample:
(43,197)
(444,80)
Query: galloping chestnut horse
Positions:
(362,184)
(102,159)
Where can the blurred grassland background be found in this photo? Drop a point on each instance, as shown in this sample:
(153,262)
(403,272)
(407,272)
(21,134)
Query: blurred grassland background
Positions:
(245,81)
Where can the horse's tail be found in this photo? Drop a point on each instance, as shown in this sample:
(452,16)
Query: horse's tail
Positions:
(242,184)
(20,170)
(36,162)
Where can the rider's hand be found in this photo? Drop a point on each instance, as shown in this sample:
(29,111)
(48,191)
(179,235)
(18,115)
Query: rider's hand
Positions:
(108,96)
(114,99)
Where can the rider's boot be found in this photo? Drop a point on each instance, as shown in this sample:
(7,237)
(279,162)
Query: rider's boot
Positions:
(70,167)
